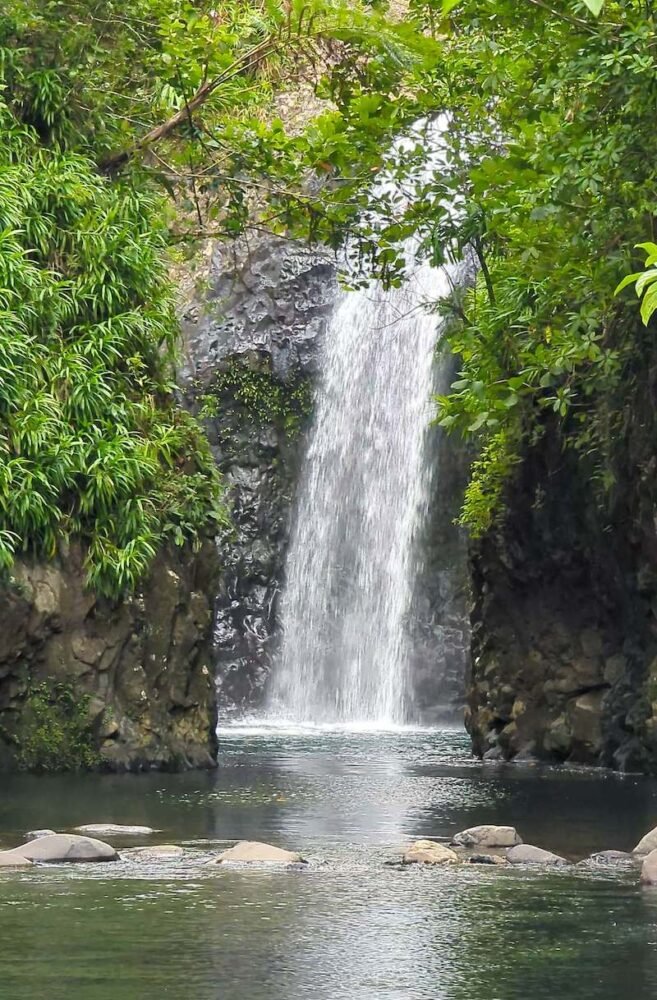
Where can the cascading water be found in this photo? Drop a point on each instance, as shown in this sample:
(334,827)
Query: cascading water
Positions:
(364,495)
(352,559)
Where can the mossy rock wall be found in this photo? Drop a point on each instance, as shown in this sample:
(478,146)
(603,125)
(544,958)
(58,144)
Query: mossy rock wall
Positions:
(86,682)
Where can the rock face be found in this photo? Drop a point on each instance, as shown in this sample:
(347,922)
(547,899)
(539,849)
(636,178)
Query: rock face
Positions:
(251,338)
(136,674)
(525,854)
(65,847)
(647,844)
(487,836)
(35,834)
(427,852)
(564,620)
(250,851)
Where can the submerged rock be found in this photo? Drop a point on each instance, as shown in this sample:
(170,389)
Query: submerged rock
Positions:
(252,851)
(61,847)
(649,869)
(487,859)
(647,844)
(36,834)
(427,852)
(114,830)
(12,859)
(608,858)
(487,836)
(526,854)
(158,852)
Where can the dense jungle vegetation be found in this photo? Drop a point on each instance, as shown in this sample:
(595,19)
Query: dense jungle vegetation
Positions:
(130,130)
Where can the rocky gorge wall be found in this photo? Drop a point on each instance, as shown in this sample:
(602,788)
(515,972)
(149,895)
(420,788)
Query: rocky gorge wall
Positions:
(88,682)
(251,335)
(564,619)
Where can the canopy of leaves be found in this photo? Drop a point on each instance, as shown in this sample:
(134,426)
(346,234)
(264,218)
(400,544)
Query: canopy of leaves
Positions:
(549,161)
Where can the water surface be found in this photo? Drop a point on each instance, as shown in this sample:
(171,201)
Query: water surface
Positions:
(350,927)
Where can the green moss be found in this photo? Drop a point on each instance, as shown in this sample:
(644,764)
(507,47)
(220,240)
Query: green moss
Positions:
(264,398)
(55,733)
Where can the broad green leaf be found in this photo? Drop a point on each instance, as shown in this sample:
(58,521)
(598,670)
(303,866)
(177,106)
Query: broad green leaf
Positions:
(595,6)
(449,5)
(629,279)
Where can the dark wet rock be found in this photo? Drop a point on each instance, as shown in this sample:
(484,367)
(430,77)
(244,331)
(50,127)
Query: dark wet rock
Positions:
(66,847)
(487,836)
(486,859)
(142,666)
(36,834)
(526,854)
(250,852)
(428,852)
(564,616)
(647,844)
(251,340)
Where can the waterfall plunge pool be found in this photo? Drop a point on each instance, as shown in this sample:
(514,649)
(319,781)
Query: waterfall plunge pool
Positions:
(351,929)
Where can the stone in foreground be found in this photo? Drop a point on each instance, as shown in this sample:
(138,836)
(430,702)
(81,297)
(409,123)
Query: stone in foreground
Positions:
(114,830)
(427,852)
(64,847)
(12,859)
(525,854)
(253,851)
(649,869)
(647,844)
(487,836)
(36,834)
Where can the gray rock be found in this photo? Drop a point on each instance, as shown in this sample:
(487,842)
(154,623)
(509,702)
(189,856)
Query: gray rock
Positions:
(428,852)
(36,834)
(649,869)
(64,847)
(647,844)
(114,830)
(251,851)
(525,854)
(487,836)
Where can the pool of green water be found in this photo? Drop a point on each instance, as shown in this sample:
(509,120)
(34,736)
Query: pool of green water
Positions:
(349,927)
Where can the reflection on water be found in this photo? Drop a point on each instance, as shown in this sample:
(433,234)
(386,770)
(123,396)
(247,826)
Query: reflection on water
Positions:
(348,928)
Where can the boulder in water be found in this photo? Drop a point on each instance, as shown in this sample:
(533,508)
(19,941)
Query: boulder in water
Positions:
(12,859)
(36,834)
(64,847)
(428,852)
(647,844)
(649,869)
(525,854)
(114,830)
(487,836)
(250,851)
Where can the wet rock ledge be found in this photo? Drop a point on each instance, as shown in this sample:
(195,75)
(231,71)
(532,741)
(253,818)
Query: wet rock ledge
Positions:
(121,686)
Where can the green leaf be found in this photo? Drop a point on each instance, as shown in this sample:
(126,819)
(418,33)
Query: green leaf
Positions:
(629,279)
(595,6)
(449,5)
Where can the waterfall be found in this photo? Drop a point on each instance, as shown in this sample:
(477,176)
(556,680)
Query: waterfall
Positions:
(363,498)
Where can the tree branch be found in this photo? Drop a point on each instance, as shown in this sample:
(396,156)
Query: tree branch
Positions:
(248,61)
